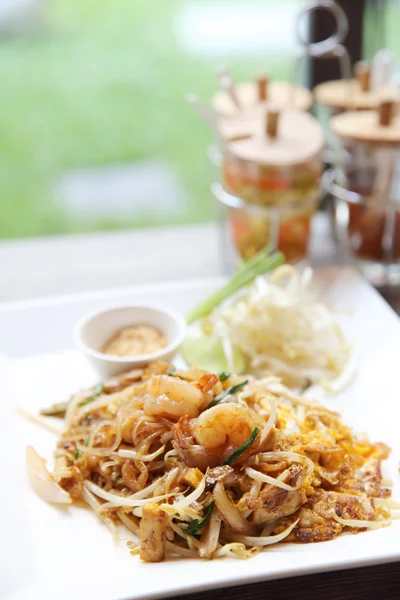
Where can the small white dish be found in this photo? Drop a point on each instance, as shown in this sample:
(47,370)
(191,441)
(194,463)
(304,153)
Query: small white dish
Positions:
(93,331)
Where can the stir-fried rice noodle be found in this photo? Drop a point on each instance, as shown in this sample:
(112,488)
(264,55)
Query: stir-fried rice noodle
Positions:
(186,475)
(282,327)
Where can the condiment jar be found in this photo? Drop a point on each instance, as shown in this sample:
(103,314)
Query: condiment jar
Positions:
(366,188)
(277,159)
(271,182)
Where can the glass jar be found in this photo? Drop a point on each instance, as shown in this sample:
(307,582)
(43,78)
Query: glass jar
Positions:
(365,189)
(267,183)
(247,228)
(271,185)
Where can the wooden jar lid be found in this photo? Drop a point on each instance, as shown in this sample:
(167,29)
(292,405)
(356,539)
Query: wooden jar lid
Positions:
(250,95)
(280,139)
(356,94)
(375,127)
(347,95)
(241,125)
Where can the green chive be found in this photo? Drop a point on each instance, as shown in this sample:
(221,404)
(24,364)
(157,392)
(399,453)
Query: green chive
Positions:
(172,372)
(96,392)
(57,410)
(231,390)
(307,384)
(224,376)
(196,525)
(78,453)
(235,455)
(260,264)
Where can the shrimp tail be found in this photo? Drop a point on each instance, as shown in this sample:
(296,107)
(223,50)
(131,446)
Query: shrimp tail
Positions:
(191,453)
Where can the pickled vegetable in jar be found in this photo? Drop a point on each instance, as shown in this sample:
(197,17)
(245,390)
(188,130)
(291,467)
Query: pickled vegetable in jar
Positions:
(367,231)
(271,174)
(267,185)
(283,228)
(267,167)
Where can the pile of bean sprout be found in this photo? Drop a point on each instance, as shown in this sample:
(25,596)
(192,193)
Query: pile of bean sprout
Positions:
(283,328)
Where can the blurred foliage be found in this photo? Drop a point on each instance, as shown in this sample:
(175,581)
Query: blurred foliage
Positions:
(102,82)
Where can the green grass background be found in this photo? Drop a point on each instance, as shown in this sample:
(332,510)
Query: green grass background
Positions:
(103,82)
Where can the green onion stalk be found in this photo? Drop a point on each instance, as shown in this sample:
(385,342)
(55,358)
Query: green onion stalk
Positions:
(248,271)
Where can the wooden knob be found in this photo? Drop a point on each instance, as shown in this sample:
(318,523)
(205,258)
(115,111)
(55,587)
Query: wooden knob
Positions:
(271,123)
(386,112)
(262,86)
(363,75)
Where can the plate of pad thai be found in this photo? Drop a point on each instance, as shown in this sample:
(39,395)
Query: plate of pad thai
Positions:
(169,475)
(201,465)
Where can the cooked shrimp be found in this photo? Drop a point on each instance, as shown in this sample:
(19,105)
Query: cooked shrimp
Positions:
(193,454)
(208,440)
(226,424)
(173,397)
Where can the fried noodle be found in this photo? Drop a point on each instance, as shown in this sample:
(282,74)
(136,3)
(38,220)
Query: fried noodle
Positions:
(190,478)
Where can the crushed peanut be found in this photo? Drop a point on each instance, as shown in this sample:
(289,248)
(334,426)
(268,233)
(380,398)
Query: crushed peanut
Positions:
(135,341)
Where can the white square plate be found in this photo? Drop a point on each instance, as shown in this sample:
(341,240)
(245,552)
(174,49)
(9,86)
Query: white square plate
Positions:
(66,554)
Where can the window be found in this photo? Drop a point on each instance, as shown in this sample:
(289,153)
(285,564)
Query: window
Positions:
(95,131)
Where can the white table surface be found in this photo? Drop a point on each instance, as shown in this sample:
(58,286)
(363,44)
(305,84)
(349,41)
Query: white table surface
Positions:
(68,264)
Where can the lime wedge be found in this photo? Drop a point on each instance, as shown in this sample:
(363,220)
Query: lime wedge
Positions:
(206,352)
